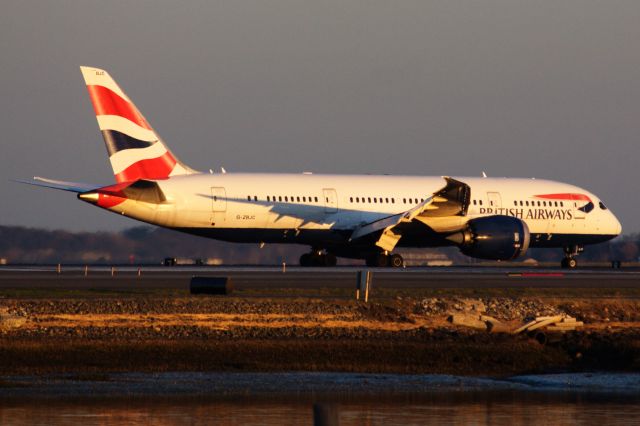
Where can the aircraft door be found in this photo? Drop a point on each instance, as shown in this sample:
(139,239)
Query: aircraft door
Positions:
(218,206)
(577,203)
(494,200)
(330,200)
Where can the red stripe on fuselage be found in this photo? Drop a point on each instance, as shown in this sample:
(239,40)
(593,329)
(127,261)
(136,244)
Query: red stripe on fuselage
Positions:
(565,196)
(107,102)
(152,168)
(107,201)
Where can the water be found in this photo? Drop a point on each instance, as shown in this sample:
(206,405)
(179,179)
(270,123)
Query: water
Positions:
(445,409)
(342,398)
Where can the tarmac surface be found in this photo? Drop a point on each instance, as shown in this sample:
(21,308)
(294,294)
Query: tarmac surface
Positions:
(153,277)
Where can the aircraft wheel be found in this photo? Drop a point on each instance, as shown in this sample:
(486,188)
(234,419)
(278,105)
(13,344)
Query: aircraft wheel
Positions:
(305,260)
(396,261)
(382,260)
(572,263)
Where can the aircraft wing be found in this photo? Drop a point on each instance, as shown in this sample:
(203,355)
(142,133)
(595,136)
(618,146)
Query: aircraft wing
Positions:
(450,200)
(60,184)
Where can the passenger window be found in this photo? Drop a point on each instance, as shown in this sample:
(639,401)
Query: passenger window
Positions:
(351,199)
(375,200)
(561,203)
(386,200)
(280,198)
(526,203)
(520,202)
(316,199)
(255,198)
(369,199)
(298,199)
(404,200)
(248,197)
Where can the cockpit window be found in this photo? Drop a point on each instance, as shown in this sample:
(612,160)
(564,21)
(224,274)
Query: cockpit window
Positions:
(587,207)
(602,206)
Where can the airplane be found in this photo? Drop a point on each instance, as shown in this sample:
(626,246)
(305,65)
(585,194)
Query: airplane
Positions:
(352,216)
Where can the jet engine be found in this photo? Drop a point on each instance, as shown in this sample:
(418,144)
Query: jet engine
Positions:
(493,237)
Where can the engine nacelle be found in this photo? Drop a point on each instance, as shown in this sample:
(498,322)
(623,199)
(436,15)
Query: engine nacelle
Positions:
(494,237)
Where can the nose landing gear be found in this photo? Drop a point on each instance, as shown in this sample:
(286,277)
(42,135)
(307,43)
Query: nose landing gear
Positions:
(570,252)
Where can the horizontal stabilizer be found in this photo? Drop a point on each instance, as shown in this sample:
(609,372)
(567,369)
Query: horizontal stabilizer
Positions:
(59,184)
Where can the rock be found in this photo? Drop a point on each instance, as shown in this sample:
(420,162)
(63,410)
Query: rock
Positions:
(472,321)
(9,321)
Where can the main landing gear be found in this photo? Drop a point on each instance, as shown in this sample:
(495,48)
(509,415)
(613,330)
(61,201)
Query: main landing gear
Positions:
(570,252)
(318,258)
(385,259)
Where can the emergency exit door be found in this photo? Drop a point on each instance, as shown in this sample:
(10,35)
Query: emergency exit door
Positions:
(330,200)
(494,200)
(218,205)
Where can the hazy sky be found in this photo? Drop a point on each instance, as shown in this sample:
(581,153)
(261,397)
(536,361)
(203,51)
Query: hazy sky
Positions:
(549,89)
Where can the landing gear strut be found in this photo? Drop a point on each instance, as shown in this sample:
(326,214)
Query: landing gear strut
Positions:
(385,259)
(317,257)
(570,252)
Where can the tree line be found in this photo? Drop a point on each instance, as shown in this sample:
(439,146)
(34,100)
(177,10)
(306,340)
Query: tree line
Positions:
(150,245)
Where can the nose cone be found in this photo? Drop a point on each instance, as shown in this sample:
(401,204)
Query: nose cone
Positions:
(617,227)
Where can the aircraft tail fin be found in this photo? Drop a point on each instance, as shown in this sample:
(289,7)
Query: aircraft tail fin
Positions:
(135,149)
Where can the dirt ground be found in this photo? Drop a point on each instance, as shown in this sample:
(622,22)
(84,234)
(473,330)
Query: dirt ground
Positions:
(402,334)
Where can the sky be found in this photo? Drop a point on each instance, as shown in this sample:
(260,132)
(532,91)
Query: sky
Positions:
(545,89)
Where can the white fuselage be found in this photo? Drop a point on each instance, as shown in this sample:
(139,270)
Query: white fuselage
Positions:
(280,207)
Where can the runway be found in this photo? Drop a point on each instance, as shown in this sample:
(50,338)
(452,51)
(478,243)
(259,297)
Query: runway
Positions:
(178,278)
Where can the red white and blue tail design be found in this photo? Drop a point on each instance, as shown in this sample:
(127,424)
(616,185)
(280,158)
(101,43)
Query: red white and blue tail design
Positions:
(135,149)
